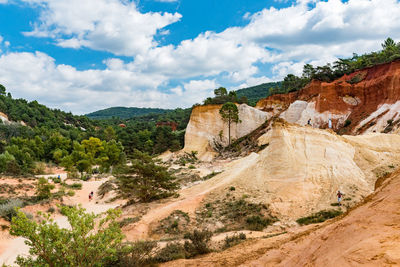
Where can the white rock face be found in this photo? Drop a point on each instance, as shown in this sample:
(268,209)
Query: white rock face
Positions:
(380,117)
(206,127)
(300,112)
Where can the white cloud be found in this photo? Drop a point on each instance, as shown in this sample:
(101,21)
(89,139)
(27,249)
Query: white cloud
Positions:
(109,25)
(36,76)
(285,39)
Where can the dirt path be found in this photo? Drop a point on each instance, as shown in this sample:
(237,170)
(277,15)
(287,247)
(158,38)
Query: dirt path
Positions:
(11,246)
(189,200)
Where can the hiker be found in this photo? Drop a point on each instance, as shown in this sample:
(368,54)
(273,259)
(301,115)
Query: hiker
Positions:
(309,122)
(91,196)
(330,123)
(339,197)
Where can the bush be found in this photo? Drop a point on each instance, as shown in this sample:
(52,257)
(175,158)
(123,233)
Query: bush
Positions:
(127,221)
(198,242)
(172,251)
(56,180)
(347,123)
(74,186)
(51,210)
(79,245)
(105,187)
(135,254)
(43,189)
(318,217)
(9,209)
(257,223)
(211,175)
(71,193)
(231,241)
(39,168)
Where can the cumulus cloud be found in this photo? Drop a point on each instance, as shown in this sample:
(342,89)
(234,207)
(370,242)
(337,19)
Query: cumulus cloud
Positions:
(283,39)
(108,25)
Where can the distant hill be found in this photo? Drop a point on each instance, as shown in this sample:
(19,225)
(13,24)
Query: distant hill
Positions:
(34,114)
(257,92)
(124,113)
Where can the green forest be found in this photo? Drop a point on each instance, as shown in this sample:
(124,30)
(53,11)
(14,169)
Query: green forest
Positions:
(124,113)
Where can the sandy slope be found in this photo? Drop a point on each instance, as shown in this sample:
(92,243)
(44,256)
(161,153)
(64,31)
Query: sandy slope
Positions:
(369,235)
(11,247)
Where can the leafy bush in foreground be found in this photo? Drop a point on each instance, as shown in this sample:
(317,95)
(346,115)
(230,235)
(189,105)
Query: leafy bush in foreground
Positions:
(51,245)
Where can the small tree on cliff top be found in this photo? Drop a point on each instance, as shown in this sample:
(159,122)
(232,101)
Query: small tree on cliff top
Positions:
(229,113)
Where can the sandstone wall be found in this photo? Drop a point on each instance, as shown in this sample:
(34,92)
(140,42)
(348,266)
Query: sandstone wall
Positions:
(205,126)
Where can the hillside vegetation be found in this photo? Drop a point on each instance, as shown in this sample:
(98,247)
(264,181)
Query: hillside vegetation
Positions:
(255,93)
(124,112)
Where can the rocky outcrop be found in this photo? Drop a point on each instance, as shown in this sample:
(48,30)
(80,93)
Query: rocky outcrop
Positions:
(4,118)
(369,100)
(206,127)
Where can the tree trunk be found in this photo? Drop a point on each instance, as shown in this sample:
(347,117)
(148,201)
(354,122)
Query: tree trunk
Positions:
(229,131)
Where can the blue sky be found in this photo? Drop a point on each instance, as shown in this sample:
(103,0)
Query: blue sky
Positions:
(82,56)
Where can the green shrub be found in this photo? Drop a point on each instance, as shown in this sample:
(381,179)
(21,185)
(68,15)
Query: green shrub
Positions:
(106,187)
(232,188)
(318,217)
(192,167)
(257,223)
(51,210)
(79,245)
(172,251)
(211,175)
(74,186)
(127,221)
(233,240)
(71,193)
(357,78)
(56,180)
(134,254)
(198,243)
(43,188)
(9,209)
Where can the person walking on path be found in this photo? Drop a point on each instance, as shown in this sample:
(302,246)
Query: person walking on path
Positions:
(91,196)
(339,197)
(309,122)
(330,123)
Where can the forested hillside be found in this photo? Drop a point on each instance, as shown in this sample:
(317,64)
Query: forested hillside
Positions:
(124,112)
(36,134)
(257,92)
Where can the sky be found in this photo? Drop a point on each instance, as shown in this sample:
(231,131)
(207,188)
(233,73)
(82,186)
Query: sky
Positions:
(86,55)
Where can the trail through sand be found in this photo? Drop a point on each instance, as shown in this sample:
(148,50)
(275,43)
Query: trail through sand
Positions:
(11,247)
(188,201)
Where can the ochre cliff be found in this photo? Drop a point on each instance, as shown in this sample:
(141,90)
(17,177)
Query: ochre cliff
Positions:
(206,127)
(370,105)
